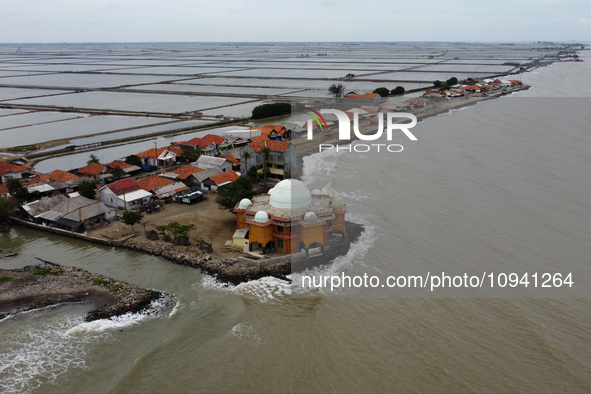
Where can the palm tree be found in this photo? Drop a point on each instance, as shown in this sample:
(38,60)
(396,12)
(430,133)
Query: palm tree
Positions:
(246,155)
(93,159)
(336,91)
(266,152)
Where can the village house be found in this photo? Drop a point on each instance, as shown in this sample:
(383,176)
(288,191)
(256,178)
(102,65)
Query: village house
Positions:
(201,179)
(282,158)
(128,169)
(288,219)
(207,148)
(221,163)
(162,157)
(221,180)
(161,187)
(124,194)
(94,170)
(74,214)
(9,170)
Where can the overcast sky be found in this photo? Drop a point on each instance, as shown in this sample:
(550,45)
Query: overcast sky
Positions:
(304,20)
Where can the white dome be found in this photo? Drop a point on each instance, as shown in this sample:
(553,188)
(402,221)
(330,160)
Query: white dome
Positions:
(316,192)
(261,217)
(310,217)
(290,194)
(338,205)
(244,203)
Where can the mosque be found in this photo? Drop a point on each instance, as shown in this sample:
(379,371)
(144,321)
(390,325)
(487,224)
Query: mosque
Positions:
(288,219)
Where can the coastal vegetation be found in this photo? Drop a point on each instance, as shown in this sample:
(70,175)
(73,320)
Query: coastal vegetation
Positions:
(231,195)
(7,207)
(397,90)
(87,189)
(191,154)
(134,160)
(93,159)
(131,217)
(270,110)
(336,91)
(382,91)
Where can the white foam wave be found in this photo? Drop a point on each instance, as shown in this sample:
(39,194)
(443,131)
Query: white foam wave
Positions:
(164,306)
(354,255)
(210,282)
(38,352)
(266,289)
(245,332)
(318,165)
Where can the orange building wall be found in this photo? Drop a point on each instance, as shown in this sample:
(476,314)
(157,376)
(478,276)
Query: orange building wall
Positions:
(338,222)
(261,234)
(240,220)
(312,234)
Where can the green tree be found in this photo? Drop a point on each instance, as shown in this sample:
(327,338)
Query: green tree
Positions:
(336,91)
(437,83)
(17,190)
(397,90)
(117,173)
(134,160)
(7,207)
(231,195)
(253,173)
(444,87)
(132,217)
(246,155)
(266,152)
(13,184)
(87,189)
(452,81)
(93,159)
(21,194)
(269,110)
(191,154)
(382,91)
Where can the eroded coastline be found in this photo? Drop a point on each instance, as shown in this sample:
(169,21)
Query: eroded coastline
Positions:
(47,284)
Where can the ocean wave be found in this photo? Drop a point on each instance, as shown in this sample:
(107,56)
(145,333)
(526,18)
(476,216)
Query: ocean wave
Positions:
(42,351)
(267,289)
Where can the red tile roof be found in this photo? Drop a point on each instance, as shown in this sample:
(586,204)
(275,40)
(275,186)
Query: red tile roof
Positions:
(58,176)
(277,146)
(229,176)
(92,169)
(366,95)
(186,171)
(119,164)
(200,142)
(214,138)
(3,189)
(233,160)
(7,168)
(123,186)
(154,182)
(153,153)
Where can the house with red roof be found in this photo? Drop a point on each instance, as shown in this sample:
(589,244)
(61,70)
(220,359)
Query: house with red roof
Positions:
(206,146)
(185,172)
(58,176)
(161,157)
(93,170)
(281,161)
(221,180)
(129,169)
(9,170)
(124,194)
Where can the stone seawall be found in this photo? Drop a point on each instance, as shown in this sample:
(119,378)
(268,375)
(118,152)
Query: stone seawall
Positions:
(239,270)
